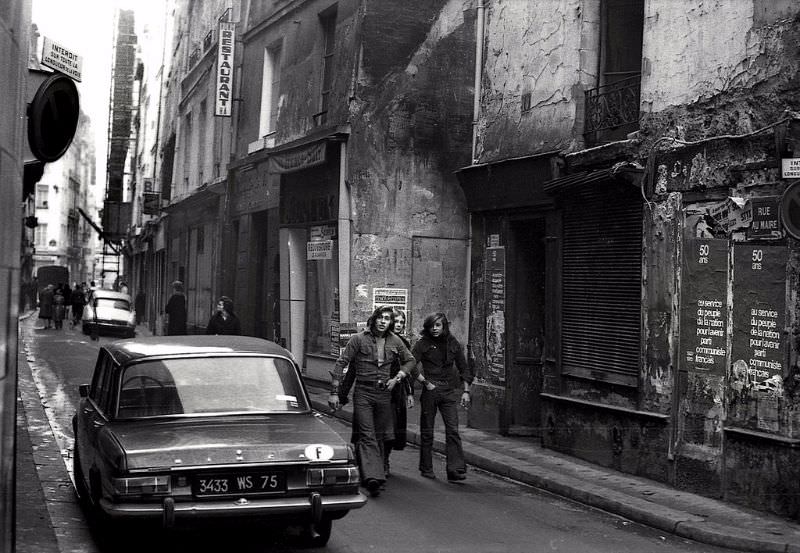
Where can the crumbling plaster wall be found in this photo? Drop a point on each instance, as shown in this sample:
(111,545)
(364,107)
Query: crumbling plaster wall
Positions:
(694,51)
(411,130)
(547,50)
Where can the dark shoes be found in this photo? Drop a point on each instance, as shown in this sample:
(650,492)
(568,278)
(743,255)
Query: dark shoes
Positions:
(373,485)
(456,476)
(428,474)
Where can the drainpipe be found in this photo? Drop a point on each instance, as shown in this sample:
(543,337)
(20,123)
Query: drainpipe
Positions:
(476,105)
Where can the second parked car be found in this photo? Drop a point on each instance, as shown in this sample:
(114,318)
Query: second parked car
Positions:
(109,312)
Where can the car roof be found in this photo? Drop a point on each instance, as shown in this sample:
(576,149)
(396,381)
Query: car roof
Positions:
(99,293)
(124,351)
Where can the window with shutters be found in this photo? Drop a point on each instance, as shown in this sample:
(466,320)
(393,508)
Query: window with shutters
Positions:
(601,283)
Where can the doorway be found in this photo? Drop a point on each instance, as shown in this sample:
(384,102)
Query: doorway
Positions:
(526,326)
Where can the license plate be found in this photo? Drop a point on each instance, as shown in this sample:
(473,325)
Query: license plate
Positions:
(238,484)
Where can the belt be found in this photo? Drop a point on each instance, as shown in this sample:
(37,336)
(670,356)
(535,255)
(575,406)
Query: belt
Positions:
(379,384)
(438,382)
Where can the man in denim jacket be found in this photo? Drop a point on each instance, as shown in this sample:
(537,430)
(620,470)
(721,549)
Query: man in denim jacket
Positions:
(369,357)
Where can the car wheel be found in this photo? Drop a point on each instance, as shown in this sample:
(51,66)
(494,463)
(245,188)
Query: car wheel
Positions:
(318,534)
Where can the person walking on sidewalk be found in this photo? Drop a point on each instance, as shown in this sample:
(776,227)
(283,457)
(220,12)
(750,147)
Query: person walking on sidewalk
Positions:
(402,397)
(46,305)
(369,357)
(78,298)
(224,321)
(176,310)
(445,377)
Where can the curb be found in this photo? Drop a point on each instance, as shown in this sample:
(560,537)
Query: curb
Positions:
(645,512)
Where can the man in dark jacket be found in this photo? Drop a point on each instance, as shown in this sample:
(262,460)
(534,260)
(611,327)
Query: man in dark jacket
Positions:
(369,357)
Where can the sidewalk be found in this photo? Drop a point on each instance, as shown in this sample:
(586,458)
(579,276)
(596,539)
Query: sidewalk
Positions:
(638,499)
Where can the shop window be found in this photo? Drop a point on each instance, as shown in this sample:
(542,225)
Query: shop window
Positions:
(322,286)
(601,283)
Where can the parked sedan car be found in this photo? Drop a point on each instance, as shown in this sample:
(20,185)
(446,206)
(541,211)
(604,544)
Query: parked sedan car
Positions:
(184,429)
(109,312)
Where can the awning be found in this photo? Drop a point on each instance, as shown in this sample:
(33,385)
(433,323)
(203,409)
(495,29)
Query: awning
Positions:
(630,173)
(508,183)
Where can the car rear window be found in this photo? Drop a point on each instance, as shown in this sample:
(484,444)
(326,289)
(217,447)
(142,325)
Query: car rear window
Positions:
(112,303)
(201,385)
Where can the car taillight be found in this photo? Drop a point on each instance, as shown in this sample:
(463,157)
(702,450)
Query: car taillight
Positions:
(141,485)
(332,476)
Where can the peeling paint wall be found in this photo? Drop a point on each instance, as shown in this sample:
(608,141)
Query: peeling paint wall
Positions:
(698,50)
(411,130)
(547,50)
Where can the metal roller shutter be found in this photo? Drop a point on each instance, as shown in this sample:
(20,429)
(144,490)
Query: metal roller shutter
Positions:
(601,275)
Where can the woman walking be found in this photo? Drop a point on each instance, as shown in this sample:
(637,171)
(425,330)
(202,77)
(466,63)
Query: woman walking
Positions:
(402,397)
(446,377)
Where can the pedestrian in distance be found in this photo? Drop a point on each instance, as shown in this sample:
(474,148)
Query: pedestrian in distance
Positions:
(370,358)
(78,301)
(59,307)
(66,291)
(446,379)
(139,306)
(224,320)
(176,310)
(46,306)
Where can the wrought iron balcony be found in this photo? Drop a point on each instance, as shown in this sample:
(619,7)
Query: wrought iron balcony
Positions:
(612,110)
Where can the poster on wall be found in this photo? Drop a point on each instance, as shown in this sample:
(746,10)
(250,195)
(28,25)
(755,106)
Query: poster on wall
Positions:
(704,311)
(495,294)
(393,297)
(759,317)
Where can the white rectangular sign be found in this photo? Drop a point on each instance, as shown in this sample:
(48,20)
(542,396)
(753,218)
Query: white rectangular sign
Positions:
(790,168)
(62,60)
(224,88)
(319,249)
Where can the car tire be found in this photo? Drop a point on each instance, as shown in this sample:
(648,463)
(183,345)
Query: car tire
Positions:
(318,534)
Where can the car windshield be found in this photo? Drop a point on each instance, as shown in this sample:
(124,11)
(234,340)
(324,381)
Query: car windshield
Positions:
(228,384)
(111,303)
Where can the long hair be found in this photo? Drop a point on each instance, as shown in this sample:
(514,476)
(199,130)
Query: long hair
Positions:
(227,304)
(377,313)
(427,325)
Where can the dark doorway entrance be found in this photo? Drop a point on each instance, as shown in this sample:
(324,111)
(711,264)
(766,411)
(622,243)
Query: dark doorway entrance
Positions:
(267,316)
(526,320)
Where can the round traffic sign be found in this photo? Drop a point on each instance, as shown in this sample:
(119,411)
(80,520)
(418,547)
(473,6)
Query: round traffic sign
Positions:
(53,117)
(790,209)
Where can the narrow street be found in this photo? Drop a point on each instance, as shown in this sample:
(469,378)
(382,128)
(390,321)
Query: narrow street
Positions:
(485,514)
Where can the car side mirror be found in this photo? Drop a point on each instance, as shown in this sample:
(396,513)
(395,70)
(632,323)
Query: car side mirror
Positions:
(83,390)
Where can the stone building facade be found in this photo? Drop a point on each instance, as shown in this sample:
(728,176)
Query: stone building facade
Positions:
(633,280)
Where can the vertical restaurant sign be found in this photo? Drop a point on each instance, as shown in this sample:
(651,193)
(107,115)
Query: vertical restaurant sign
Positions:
(704,313)
(224,88)
(495,297)
(759,312)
